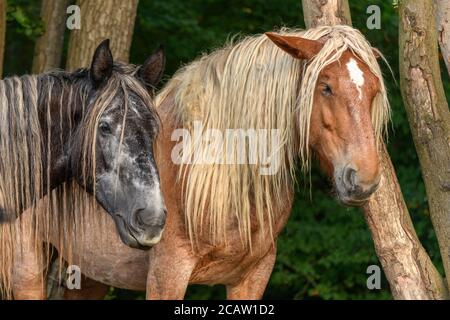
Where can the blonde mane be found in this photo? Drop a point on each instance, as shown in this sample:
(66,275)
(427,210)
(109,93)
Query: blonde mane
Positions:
(247,85)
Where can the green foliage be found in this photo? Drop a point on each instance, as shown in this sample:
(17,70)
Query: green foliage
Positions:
(326,248)
(188,28)
(24,23)
(24,26)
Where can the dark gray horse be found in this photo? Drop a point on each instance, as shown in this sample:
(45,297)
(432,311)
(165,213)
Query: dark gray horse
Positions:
(94,126)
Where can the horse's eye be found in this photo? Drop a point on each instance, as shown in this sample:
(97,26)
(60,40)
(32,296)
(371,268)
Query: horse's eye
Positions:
(326,90)
(104,128)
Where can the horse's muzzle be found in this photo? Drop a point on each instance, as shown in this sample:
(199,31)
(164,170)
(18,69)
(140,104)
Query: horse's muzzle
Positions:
(350,190)
(148,225)
(143,229)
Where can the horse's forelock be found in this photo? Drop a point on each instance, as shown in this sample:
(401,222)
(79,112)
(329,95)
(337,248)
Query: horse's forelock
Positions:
(337,40)
(122,83)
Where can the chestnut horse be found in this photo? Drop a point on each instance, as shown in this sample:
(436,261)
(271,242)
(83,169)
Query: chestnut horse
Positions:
(323,92)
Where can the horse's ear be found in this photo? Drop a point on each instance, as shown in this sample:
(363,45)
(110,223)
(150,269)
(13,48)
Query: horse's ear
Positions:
(299,48)
(151,72)
(102,64)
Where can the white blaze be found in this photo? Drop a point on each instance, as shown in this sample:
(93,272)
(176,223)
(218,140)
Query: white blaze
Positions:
(356,75)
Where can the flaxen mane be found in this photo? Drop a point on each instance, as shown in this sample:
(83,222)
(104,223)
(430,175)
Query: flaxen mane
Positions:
(250,85)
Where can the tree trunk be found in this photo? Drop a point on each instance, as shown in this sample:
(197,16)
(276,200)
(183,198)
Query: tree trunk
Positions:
(2,33)
(102,19)
(428,113)
(443,27)
(408,268)
(329,12)
(48,50)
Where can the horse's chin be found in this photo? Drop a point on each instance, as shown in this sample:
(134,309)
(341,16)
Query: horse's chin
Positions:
(133,243)
(149,242)
(130,239)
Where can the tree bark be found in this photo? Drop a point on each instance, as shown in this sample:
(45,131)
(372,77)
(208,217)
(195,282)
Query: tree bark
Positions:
(102,19)
(328,12)
(48,49)
(407,266)
(443,27)
(2,33)
(428,113)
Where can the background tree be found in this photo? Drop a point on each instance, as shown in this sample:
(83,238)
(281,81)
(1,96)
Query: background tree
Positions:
(427,110)
(332,12)
(2,33)
(409,270)
(49,46)
(102,19)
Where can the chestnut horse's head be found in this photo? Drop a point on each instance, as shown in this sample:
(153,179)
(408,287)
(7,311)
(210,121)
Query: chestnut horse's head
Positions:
(340,127)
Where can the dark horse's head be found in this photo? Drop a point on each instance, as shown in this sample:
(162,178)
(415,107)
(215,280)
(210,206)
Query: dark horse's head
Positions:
(95,126)
(111,152)
(341,129)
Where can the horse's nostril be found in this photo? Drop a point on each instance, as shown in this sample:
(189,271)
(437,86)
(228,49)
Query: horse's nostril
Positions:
(139,218)
(349,178)
(145,218)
